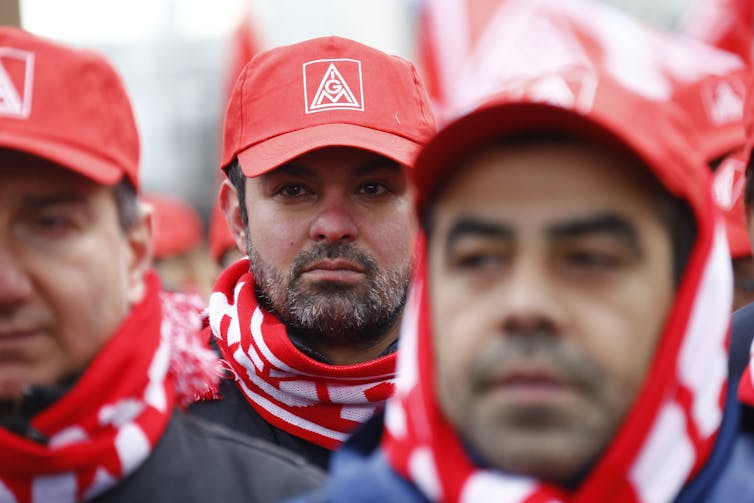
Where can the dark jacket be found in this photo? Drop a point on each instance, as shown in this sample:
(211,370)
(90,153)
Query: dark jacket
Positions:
(360,472)
(235,413)
(196,461)
(741,335)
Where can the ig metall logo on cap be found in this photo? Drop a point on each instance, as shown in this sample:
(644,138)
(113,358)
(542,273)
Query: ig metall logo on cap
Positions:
(333,84)
(16,82)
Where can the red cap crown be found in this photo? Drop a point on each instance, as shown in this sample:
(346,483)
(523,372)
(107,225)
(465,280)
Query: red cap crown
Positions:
(657,132)
(68,106)
(324,92)
(177,227)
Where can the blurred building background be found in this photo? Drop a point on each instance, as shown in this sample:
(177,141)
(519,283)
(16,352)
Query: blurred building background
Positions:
(174,57)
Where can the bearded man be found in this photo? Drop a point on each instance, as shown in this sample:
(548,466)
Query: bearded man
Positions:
(318,140)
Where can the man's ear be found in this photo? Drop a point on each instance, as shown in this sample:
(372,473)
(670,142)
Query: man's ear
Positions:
(228,199)
(141,253)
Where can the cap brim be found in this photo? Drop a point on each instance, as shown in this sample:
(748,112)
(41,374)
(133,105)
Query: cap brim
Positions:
(498,120)
(269,154)
(95,168)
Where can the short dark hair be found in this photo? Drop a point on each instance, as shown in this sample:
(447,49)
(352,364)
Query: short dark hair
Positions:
(674,213)
(238,179)
(127,204)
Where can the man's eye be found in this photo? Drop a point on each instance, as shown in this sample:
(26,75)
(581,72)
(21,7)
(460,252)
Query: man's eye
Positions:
(52,222)
(478,261)
(592,260)
(292,190)
(373,189)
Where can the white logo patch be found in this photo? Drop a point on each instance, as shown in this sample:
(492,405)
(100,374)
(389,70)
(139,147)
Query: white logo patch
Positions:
(16,82)
(724,102)
(338,85)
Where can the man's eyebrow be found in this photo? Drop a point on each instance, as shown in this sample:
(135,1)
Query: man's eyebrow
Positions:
(44,200)
(293,169)
(467,226)
(602,224)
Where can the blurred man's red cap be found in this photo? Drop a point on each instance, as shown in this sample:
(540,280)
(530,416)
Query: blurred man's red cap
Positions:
(67,106)
(176,226)
(656,132)
(324,92)
(219,237)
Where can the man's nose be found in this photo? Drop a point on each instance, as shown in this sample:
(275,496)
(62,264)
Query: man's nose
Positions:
(334,223)
(530,302)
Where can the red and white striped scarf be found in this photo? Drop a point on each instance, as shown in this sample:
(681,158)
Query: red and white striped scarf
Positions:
(108,423)
(663,442)
(315,401)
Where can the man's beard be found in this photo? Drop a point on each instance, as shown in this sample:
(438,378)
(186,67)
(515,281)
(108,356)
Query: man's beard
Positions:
(358,316)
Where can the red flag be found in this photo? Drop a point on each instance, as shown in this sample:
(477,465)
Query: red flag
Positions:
(727,24)
(474,48)
(243,46)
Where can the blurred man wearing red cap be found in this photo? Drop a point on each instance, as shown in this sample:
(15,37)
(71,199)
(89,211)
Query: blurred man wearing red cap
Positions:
(96,361)
(318,138)
(565,338)
(180,253)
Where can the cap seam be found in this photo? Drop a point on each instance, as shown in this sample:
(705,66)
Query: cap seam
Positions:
(418,86)
(241,107)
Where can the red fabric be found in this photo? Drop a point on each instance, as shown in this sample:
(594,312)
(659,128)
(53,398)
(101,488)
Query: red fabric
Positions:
(106,426)
(317,402)
(243,46)
(727,24)
(176,226)
(522,39)
(729,183)
(324,92)
(678,411)
(68,106)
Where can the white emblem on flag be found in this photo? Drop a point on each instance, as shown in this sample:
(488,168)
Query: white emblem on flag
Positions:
(334,91)
(16,81)
(729,182)
(724,103)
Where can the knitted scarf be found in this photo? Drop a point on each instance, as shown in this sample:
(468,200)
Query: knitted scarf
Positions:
(662,443)
(315,401)
(105,427)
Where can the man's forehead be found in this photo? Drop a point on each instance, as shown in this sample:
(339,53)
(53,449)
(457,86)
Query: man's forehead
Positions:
(347,159)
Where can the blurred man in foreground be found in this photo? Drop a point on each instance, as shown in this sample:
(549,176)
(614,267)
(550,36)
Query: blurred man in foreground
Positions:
(96,361)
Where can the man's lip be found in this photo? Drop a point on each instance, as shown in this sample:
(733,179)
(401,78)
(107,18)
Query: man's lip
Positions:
(14,334)
(333,265)
(528,378)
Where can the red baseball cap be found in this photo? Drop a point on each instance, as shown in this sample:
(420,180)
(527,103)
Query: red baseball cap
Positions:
(67,106)
(177,227)
(324,92)
(657,132)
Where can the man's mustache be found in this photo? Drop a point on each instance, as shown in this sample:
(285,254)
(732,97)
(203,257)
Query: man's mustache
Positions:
(514,352)
(327,251)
